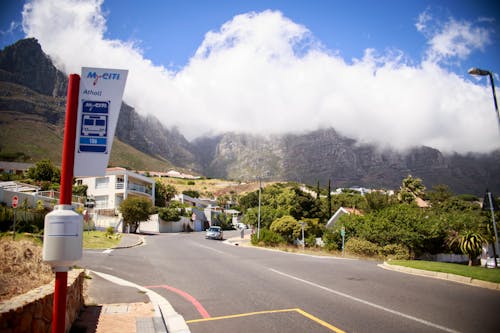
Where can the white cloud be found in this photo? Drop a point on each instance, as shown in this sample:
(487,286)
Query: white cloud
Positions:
(263,73)
(452,39)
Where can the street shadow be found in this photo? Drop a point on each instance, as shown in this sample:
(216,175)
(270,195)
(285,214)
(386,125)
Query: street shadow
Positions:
(87,320)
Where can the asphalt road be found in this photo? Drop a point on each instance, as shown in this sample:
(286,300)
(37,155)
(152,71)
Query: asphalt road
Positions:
(222,288)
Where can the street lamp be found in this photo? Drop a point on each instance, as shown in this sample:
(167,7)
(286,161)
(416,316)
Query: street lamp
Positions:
(483,72)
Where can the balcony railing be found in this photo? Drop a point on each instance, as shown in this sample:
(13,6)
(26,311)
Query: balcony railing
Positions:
(139,188)
(134,187)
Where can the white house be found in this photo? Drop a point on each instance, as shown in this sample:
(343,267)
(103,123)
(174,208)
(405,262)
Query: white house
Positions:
(117,185)
(341,211)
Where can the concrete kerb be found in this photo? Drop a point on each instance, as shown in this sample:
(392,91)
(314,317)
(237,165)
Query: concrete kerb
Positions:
(140,241)
(173,321)
(442,276)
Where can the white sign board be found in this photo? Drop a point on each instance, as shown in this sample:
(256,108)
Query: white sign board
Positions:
(100,99)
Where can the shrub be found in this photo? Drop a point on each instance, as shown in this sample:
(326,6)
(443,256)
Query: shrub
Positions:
(169,214)
(311,241)
(361,247)
(332,240)
(268,238)
(110,231)
(287,226)
(395,251)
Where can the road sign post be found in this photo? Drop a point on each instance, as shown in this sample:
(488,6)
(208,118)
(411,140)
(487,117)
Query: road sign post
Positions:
(342,233)
(92,109)
(15,201)
(68,155)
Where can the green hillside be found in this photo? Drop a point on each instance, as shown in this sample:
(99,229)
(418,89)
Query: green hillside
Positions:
(31,129)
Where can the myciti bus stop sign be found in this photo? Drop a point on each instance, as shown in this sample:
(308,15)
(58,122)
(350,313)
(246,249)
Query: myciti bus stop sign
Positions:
(100,99)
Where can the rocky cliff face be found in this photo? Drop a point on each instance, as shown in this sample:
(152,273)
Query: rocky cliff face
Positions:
(25,63)
(324,154)
(316,156)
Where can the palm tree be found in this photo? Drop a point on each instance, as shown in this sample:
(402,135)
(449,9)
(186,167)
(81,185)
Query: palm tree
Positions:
(470,243)
(410,189)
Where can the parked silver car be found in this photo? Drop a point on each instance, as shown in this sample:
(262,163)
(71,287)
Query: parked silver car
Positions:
(215,232)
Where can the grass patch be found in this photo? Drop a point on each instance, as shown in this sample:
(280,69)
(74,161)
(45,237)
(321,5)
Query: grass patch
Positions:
(475,272)
(99,240)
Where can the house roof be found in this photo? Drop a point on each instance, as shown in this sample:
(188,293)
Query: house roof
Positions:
(421,203)
(341,211)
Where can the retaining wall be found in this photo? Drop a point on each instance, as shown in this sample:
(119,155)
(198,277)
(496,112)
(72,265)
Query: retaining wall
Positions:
(32,312)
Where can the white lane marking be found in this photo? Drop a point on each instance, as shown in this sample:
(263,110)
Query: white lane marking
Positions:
(209,248)
(422,321)
(108,251)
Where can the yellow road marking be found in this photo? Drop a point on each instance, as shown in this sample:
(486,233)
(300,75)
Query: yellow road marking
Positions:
(319,321)
(299,311)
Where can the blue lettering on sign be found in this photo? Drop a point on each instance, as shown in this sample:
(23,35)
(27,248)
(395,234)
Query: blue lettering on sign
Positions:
(104,76)
(94,127)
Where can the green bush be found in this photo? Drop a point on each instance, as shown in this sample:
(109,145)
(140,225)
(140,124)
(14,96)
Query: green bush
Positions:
(288,227)
(395,252)
(361,247)
(268,238)
(311,241)
(110,231)
(169,214)
(332,240)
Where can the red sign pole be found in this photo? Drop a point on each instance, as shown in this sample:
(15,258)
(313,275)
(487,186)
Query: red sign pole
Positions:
(68,158)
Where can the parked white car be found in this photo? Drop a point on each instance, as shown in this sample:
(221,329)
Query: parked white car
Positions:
(215,232)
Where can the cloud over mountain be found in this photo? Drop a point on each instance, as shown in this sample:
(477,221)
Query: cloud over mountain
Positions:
(263,73)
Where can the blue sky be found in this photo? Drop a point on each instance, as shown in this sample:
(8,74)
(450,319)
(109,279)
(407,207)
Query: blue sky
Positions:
(269,67)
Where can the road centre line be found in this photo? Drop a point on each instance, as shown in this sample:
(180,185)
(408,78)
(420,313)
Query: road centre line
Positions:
(422,321)
(300,311)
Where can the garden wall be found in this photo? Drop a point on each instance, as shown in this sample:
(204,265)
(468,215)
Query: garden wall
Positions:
(32,311)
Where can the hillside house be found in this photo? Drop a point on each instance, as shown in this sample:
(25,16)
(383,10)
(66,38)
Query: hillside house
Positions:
(117,185)
(340,212)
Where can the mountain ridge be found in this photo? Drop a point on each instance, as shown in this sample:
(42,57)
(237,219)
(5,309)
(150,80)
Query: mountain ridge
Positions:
(33,87)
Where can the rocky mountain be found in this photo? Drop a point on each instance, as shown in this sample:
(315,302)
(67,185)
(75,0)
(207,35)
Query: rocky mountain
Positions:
(30,84)
(324,155)
(32,109)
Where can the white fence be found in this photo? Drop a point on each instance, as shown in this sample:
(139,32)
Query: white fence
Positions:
(48,198)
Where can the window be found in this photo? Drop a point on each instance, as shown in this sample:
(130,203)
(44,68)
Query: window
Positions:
(101,183)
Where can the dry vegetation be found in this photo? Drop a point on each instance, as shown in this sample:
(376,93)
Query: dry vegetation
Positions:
(21,267)
(213,187)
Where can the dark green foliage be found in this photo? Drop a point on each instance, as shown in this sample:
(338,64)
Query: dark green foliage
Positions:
(377,201)
(439,193)
(135,210)
(248,201)
(191,193)
(395,252)
(310,241)
(223,220)
(44,170)
(332,240)
(80,190)
(288,227)
(361,247)
(268,238)
(169,214)
(27,219)
(267,216)
(329,200)
(163,193)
